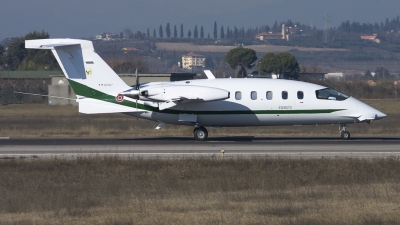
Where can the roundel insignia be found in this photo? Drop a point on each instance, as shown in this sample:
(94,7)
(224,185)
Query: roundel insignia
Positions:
(119,98)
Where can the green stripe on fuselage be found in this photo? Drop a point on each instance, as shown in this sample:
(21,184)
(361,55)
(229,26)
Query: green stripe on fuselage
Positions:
(88,92)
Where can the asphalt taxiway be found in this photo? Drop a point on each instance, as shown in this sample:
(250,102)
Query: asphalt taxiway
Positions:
(186,146)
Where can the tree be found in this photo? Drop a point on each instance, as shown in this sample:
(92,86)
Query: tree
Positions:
(209,63)
(201,32)
(275,27)
(130,64)
(267,63)
(20,58)
(368,74)
(222,34)
(128,33)
(235,33)
(154,33)
(168,31)
(182,30)
(1,54)
(189,34)
(195,32)
(121,35)
(160,32)
(242,58)
(139,35)
(382,72)
(148,33)
(215,30)
(175,32)
(281,64)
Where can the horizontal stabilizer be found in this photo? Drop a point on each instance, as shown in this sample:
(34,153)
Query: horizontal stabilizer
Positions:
(53,43)
(93,106)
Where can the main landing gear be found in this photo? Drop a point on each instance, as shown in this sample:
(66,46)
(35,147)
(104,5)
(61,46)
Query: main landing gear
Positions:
(200,133)
(345,135)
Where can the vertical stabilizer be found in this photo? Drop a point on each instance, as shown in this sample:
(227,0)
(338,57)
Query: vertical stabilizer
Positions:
(87,73)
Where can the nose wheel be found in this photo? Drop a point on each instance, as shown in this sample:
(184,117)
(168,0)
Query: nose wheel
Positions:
(345,135)
(200,133)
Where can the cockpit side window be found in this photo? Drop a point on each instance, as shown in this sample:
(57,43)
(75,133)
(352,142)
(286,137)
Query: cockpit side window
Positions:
(330,94)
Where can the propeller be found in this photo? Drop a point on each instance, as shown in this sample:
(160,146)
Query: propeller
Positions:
(137,81)
(137,85)
(134,93)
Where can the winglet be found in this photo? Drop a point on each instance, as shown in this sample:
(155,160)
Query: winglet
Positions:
(209,74)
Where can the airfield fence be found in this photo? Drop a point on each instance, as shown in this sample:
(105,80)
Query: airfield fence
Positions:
(8,87)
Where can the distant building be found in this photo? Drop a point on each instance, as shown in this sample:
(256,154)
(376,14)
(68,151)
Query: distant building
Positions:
(340,75)
(108,36)
(268,36)
(192,60)
(335,75)
(286,33)
(372,38)
(130,49)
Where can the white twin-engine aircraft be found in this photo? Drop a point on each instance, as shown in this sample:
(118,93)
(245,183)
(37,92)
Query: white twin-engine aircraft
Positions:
(205,102)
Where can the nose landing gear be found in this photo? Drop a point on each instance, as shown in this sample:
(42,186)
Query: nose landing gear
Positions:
(345,135)
(200,133)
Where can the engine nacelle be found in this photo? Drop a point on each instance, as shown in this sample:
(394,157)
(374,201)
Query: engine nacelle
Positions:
(168,93)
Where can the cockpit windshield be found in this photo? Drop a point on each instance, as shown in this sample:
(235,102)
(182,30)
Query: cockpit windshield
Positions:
(330,94)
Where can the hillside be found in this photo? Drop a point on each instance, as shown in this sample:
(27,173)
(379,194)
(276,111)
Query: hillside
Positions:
(189,47)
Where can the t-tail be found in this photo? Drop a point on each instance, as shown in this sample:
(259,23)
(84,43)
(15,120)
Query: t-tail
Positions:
(95,84)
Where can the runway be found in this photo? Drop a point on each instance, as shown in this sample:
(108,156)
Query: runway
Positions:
(186,146)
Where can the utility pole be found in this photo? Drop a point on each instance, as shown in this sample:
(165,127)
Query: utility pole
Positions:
(326,28)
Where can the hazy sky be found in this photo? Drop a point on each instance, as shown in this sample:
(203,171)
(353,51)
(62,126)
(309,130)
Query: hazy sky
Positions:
(85,18)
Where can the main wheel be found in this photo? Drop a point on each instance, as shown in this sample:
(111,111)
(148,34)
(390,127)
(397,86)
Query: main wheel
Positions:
(345,135)
(200,134)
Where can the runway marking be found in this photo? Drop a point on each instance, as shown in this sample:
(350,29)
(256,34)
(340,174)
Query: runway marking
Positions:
(4,137)
(217,154)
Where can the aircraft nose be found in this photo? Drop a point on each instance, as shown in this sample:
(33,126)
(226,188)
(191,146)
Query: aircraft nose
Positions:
(380,115)
(368,113)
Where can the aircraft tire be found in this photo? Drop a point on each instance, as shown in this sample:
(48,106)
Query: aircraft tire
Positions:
(200,134)
(345,135)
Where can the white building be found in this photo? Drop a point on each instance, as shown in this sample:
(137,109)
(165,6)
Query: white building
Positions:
(192,60)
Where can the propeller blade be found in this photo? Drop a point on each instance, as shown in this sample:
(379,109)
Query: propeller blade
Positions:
(137,85)
(137,81)
(137,115)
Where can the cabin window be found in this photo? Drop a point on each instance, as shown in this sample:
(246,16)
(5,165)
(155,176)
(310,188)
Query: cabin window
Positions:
(269,95)
(253,95)
(330,94)
(284,95)
(300,95)
(238,95)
